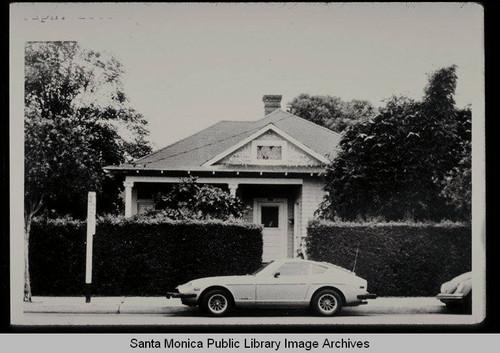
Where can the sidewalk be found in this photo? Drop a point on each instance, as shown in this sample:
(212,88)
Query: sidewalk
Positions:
(161,305)
(102,305)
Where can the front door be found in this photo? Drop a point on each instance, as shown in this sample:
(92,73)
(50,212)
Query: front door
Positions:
(272,215)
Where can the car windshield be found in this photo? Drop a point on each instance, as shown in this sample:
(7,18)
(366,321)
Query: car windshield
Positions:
(262,268)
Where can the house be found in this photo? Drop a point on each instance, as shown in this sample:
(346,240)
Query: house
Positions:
(273,165)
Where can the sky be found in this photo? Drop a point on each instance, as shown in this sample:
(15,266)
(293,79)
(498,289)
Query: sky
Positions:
(188,66)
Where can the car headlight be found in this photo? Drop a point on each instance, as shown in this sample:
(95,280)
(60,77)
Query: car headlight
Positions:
(184,287)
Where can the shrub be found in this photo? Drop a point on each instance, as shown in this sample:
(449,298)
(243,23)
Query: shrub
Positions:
(190,200)
(139,257)
(397,259)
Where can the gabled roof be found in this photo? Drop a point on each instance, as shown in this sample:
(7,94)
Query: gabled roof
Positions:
(193,151)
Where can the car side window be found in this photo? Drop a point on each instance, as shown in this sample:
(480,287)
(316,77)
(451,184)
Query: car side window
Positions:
(294,269)
(316,269)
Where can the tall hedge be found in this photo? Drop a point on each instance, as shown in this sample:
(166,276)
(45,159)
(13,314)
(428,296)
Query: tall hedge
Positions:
(142,258)
(397,259)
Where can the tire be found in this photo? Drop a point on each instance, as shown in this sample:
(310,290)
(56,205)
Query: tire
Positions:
(217,302)
(326,302)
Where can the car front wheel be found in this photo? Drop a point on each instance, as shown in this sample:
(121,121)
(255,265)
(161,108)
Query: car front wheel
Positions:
(326,302)
(216,302)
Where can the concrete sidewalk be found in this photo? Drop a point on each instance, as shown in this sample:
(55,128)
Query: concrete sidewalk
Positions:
(103,305)
(161,305)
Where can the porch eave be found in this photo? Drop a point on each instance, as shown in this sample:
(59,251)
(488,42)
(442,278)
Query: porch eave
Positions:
(276,171)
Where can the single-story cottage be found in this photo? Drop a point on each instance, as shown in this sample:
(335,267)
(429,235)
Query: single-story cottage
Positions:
(274,165)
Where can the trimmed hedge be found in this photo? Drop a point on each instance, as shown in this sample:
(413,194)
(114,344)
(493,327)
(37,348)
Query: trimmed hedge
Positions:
(57,257)
(397,259)
(142,258)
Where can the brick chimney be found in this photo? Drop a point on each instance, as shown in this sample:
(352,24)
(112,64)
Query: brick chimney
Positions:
(271,103)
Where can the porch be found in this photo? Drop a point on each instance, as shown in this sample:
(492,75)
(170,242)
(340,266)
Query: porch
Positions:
(282,206)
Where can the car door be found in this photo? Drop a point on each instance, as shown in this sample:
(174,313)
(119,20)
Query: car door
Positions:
(288,284)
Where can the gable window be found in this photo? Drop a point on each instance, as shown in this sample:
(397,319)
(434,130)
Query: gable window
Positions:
(269,151)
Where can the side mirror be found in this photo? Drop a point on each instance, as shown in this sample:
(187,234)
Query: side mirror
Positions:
(276,275)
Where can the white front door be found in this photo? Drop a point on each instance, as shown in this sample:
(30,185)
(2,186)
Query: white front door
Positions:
(272,215)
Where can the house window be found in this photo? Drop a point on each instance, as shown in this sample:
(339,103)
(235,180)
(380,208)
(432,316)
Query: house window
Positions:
(269,152)
(270,216)
(144,206)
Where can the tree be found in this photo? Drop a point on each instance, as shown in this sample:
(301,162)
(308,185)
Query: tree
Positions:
(331,112)
(394,165)
(457,183)
(190,200)
(77,120)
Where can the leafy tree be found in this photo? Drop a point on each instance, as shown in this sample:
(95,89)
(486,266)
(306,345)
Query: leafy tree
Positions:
(331,112)
(394,165)
(190,200)
(77,120)
(457,183)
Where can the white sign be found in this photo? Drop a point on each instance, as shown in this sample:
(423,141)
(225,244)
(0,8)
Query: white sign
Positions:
(91,214)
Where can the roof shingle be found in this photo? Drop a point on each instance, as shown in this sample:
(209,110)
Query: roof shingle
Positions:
(196,149)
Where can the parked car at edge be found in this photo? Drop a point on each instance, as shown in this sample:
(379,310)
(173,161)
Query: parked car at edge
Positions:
(323,287)
(457,293)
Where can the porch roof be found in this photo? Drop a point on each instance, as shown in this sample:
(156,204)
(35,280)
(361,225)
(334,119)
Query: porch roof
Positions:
(221,169)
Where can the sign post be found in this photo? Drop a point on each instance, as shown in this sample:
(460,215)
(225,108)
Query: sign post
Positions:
(91,214)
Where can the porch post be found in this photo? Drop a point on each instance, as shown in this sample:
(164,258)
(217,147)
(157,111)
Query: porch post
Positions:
(232,188)
(128,197)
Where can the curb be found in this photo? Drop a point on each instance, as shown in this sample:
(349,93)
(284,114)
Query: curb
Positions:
(103,305)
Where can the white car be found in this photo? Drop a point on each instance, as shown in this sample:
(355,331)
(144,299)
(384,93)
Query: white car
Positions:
(323,287)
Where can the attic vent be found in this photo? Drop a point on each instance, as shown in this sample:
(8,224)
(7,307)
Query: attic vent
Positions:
(271,103)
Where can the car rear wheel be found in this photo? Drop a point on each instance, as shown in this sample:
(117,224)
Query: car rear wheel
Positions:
(326,302)
(217,302)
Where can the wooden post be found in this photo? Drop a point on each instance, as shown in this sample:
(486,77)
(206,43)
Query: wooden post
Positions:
(91,215)
(128,198)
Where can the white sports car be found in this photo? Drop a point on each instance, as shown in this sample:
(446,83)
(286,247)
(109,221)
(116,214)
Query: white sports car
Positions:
(323,287)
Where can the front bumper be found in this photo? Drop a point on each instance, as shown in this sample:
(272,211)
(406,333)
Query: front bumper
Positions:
(180,295)
(189,299)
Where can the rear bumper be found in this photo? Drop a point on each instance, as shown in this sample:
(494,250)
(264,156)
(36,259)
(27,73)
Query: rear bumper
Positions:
(367,296)
(449,298)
